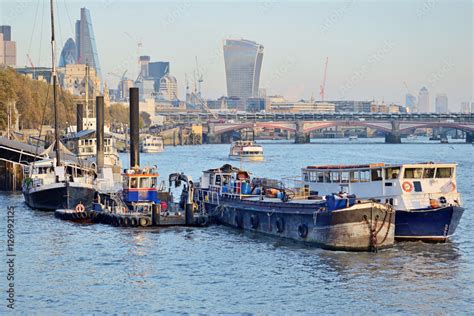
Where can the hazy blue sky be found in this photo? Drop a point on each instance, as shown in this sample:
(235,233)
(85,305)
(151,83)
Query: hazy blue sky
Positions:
(373,46)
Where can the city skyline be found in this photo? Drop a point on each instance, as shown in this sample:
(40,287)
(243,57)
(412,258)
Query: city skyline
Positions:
(370,54)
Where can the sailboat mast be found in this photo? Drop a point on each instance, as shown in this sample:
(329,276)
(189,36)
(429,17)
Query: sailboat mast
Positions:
(54,75)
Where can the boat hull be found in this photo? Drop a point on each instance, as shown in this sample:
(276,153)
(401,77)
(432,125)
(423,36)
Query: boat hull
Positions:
(246,158)
(59,196)
(431,225)
(348,229)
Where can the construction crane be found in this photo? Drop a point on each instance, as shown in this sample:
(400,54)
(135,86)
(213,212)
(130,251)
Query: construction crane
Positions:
(323,86)
(199,76)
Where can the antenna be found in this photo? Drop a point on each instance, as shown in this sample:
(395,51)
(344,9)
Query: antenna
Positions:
(323,86)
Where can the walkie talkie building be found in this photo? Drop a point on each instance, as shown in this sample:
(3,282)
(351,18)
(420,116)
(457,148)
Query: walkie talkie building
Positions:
(243,63)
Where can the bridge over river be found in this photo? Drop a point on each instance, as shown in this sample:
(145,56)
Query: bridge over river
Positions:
(302,124)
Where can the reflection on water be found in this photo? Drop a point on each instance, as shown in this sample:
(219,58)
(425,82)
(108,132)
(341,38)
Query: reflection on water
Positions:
(64,267)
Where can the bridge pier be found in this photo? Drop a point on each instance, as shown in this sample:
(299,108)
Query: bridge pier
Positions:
(394,137)
(300,136)
(469,138)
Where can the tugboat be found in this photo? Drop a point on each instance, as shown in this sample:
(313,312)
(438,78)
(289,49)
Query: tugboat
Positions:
(151,144)
(274,207)
(424,195)
(246,150)
(54,183)
(142,200)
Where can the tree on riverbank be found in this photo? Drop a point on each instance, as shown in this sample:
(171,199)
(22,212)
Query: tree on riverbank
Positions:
(33,100)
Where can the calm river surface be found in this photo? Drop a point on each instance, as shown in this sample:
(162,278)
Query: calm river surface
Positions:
(65,268)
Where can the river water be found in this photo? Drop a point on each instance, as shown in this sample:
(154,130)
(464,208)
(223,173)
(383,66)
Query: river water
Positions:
(66,268)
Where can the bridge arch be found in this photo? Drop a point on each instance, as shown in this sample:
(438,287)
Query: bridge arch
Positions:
(381,126)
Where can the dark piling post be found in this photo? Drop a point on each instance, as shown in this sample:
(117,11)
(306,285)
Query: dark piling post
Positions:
(80,117)
(134,129)
(99,133)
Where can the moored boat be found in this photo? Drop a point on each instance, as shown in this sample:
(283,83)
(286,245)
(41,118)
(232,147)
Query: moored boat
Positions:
(151,144)
(424,195)
(274,208)
(246,150)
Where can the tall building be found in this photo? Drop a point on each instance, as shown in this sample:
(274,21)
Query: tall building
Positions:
(410,102)
(441,103)
(157,70)
(144,61)
(424,101)
(68,53)
(169,88)
(85,42)
(465,107)
(243,63)
(6,30)
(7,47)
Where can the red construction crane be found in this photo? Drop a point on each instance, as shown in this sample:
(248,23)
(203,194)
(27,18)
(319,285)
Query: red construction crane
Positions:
(323,86)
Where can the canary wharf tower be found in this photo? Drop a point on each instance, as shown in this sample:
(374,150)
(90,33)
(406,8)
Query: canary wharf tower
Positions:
(243,63)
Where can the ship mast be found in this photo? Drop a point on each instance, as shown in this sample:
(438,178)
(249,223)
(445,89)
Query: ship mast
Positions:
(54,75)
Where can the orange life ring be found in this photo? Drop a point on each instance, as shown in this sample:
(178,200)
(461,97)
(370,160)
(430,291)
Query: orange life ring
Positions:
(407,186)
(80,207)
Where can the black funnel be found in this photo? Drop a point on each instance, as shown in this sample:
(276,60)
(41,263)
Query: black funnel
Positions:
(80,117)
(134,129)
(99,132)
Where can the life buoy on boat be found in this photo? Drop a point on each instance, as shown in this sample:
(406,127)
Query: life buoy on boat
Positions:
(407,186)
(254,221)
(80,207)
(303,230)
(280,225)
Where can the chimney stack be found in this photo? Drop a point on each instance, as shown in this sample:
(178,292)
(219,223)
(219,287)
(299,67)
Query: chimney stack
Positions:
(134,129)
(99,133)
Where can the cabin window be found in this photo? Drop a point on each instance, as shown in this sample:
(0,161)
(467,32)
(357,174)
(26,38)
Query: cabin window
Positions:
(218,180)
(335,177)
(364,175)
(444,172)
(306,176)
(345,176)
(133,183)
(413,173)
(312,176)
(320,177)
(144,182)
(354,176)
(392,173)
(376,174)
(428,173)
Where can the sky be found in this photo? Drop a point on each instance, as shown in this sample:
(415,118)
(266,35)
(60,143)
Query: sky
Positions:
(373,47)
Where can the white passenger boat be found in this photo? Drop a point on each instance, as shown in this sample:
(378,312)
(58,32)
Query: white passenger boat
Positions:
(424,195)
(152,144)
(246,150)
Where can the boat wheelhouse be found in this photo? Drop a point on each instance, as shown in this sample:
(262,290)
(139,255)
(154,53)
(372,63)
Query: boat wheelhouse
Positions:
(152,144)
(424,195)
(246,150)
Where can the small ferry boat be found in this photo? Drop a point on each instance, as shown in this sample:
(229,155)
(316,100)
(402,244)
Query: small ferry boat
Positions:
(151,144)
(353,138)
(338,222)
(246,150)
(424,195)
(412,137)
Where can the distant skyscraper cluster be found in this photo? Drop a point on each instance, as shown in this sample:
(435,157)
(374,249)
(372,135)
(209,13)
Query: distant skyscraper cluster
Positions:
(243,64)
(154,79)
(7,47)
(424,101)
(83,50)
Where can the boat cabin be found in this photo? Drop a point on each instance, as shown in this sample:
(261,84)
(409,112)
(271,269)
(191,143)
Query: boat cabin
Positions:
(140,185)
(407,186)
